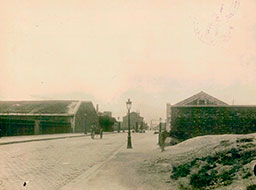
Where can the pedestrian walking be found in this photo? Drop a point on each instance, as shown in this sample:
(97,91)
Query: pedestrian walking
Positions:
(162,141)
(92,132)
(101,133)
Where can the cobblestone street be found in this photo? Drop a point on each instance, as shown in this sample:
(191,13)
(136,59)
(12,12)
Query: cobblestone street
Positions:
(53,164)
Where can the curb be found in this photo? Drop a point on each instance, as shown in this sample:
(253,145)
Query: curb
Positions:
(47,139)
(44,139)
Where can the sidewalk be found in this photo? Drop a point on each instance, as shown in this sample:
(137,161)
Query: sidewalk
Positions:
(30,138)
(120,170)
(45,137)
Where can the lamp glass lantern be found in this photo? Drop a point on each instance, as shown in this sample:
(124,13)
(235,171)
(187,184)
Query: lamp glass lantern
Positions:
(129,104)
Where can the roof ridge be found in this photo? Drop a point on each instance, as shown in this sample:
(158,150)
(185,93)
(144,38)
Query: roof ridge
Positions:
(201,95)
(77,107)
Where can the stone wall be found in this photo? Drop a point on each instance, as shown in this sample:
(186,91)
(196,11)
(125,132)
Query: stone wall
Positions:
(191,121)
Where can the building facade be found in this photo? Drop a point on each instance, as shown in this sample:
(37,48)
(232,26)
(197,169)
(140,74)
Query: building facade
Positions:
(135,120)
(203,114)
(46,117)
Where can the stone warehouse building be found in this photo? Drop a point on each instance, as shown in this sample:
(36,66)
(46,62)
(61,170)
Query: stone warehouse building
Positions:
(135,121)
(203,114)
(46,117)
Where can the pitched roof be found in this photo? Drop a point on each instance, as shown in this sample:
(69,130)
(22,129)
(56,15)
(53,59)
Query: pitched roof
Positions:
(201,96)
(39,107)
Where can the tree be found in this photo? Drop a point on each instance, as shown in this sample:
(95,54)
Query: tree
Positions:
(107,122)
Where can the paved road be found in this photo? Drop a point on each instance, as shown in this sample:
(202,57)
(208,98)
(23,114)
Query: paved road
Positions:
(53,164)
(120,172)
(73,163)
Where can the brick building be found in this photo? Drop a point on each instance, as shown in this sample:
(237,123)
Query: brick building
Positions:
(203,114)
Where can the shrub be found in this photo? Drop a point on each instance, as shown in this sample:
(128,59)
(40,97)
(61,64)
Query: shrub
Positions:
(183,187)
(247,175)
(203,179)
(194,162)
(229,158)
(248,156)
(235,169)
(244,140)
(251,187)
(212,159)
(180,171)
(207,167)
(225,143)
(249,145)
(226,177)
(208,176)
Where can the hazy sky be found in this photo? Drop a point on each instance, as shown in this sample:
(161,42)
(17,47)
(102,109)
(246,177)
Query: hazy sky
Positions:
(106,51)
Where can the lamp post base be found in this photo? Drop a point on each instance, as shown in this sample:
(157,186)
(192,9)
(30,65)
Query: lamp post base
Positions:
(129,143)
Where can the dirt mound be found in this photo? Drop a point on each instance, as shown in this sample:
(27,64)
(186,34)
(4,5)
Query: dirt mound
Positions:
(206,162)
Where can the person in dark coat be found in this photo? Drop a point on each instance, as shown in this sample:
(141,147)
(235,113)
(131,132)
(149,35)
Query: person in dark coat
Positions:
(162,141)
(101,132)
(92,132)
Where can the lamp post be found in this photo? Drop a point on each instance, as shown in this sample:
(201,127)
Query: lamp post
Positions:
(160,130)
(129,140)
(118,130)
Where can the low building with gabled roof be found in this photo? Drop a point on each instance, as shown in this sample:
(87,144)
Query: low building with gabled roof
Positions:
(203,114)
(201,98)
(46,117)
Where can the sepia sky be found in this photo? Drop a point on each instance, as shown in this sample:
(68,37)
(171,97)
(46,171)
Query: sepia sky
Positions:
(106,51)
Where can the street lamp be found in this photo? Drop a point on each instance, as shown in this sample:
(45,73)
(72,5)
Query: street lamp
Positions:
(160,130)
(118,130)
(129,142)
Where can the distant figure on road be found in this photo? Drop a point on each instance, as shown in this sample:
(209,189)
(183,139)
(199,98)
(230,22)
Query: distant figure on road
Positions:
(85,130)
(162,140)
(101,133)
(92,132)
